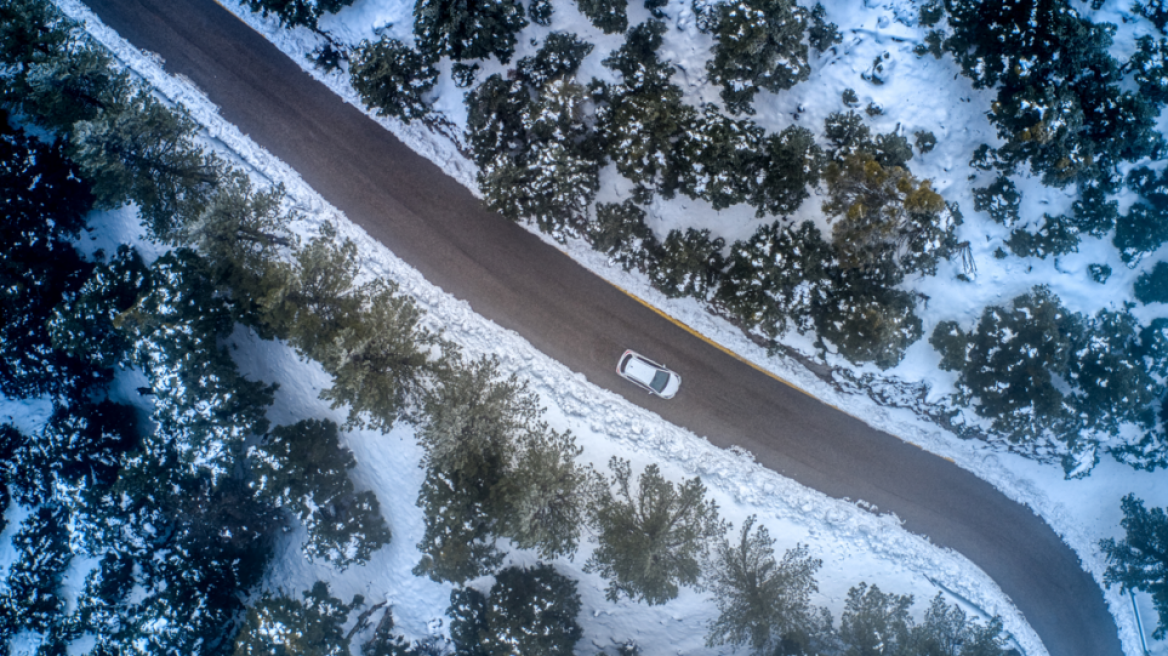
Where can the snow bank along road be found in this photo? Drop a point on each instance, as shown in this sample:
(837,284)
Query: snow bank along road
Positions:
(521,283)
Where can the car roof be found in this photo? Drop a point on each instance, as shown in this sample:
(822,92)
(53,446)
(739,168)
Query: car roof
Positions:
(641,370)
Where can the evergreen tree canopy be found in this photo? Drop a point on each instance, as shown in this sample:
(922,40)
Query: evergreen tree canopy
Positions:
(867,321)
(609,16)
(619,231)
(790,163)
(761,602)
(32,599)
(1152,286)
(719,160)
(760,45)
(289,627)
(1145,227)
(653,539)
(689,264)
(392,78)
(298,12)
(462,29)
(1139,561)
(304,469)
(530,612)
(875,623)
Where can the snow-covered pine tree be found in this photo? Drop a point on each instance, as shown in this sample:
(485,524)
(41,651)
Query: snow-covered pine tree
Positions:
(1145,227)
(298,12)
(773,280)
(392,78)
(790,162)
(559,56)
(1110,379)
(1139,561)
(32,599)
(1054,236)
(459,540)
(1149,68)
(719,160)
(461,29)
(1001,200)
(867,321)
(619,232)
(651,539)
(642,117)
(529,611)
(74,84)
(761,44)
(304,469)
(761,602)
(688,264)
(1009,362)
(286,625)
(945,630)
(609,16)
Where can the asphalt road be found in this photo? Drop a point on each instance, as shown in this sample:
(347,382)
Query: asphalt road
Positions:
(514,279)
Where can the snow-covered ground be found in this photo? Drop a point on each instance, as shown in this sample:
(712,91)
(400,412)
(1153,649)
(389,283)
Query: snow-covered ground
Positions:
(854,543)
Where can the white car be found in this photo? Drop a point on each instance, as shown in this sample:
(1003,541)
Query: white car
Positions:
(642,371)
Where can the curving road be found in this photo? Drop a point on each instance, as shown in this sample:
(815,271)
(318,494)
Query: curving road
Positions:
(514,279)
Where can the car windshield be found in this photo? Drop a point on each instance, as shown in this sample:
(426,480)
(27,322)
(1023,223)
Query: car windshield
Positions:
(660,381)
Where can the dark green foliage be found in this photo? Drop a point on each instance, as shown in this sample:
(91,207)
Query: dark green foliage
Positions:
(925,141)
(652,539)
(493,470)
(384,642)
(42,555)
(43,204)
(537,157)
(31,31)
(620,232)
(540,12)
(392,78)
(867,322)
(609,16)
(1145,226)
(1108,372)
(644,116)
(298,12)
(774,280)
(720,161)
(1093,214)
(285,625)
(1150,70)
(822,34)
(143,151)
(463,30)
(304,469)
(1100,273)
(761,602)
(849,97)
(790,163)
(463,74)
(1055,236)
(931,13)
(760,45)
(1009,361)
(690,264)
(1059,106)
(1152,286)
(1140,559)
(62,91)
(530,612)
(328,58)
(1001,200)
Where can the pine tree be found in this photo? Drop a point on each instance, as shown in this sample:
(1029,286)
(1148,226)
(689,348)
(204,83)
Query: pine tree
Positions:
(1110,378)
(760,45)
(530,611)
(654,539)
(78,83)
(1055,236)
(775,279)
(298,12)
(875,623)
(1145,227)
(619,232)
(43,202)
(1149,67)
(142,151)
(42,555)
(284,625)
(761,602)
(1139,561)
(643,117)
(459,540)
(719,160)
(1001,200)
(609,16)
(946,631)
(790,163)
(1009,361)
(1152,285)
(560,56)
(866,321)
(392,78)
(466,30)
(822,34)
(688,264)
(304,469)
